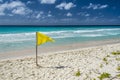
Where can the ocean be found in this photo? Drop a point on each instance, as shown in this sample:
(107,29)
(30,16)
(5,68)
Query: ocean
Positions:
(23,37)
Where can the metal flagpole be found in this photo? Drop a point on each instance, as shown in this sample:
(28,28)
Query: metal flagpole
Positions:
(36,50)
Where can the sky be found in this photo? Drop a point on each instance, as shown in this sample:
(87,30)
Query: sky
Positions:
(59,12)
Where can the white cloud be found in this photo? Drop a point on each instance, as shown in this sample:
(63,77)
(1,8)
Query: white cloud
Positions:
(65,6)
(39,15)
(83,14)
(29,2)
(69,14)
(10,14)
(21,11)
(103,6)
(49,15)
(95,6)
(16,7)
(2,8)
(87,15)
(47,1)
(15,4)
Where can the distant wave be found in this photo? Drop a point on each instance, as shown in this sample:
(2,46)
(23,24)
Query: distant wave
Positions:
(17,37)
(30,36)
(92,35)
(96,30)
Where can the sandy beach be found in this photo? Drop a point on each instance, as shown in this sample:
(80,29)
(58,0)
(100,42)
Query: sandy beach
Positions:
(78,64)
(59,39)
(27,52)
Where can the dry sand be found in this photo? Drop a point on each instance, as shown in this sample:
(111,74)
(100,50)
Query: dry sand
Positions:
(91,62)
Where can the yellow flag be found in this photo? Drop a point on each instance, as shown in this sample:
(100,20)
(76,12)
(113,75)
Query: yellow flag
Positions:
(42,38)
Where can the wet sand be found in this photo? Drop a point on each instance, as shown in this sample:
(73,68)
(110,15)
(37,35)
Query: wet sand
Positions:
(52,49)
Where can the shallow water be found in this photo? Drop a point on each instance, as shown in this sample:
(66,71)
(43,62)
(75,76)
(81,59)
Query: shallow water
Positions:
(17,38)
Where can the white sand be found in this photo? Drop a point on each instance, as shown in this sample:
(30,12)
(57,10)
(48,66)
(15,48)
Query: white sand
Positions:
(64,65)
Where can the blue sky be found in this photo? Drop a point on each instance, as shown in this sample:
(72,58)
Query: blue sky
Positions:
(59,12)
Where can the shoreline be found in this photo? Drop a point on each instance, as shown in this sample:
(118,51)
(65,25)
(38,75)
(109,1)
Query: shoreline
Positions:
(91,62)
(55,49)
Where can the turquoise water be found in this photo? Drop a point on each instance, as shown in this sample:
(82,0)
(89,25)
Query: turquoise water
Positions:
(22,37)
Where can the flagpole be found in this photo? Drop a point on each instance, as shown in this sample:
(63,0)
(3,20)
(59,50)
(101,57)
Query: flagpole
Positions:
(36,50)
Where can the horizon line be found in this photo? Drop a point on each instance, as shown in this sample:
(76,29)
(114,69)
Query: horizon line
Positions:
(58,25)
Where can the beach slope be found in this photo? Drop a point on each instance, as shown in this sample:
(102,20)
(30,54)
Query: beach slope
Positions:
(94,63)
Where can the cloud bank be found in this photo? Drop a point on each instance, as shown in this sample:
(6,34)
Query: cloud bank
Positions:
(15,7)
(95,6)
(47,1)
(66,6)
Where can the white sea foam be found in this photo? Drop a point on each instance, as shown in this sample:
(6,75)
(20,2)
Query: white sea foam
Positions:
(92,35)
(28,36)
(18,37)
(96,30)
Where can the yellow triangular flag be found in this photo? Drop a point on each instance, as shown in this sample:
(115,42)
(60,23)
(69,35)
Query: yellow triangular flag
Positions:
(42,38)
